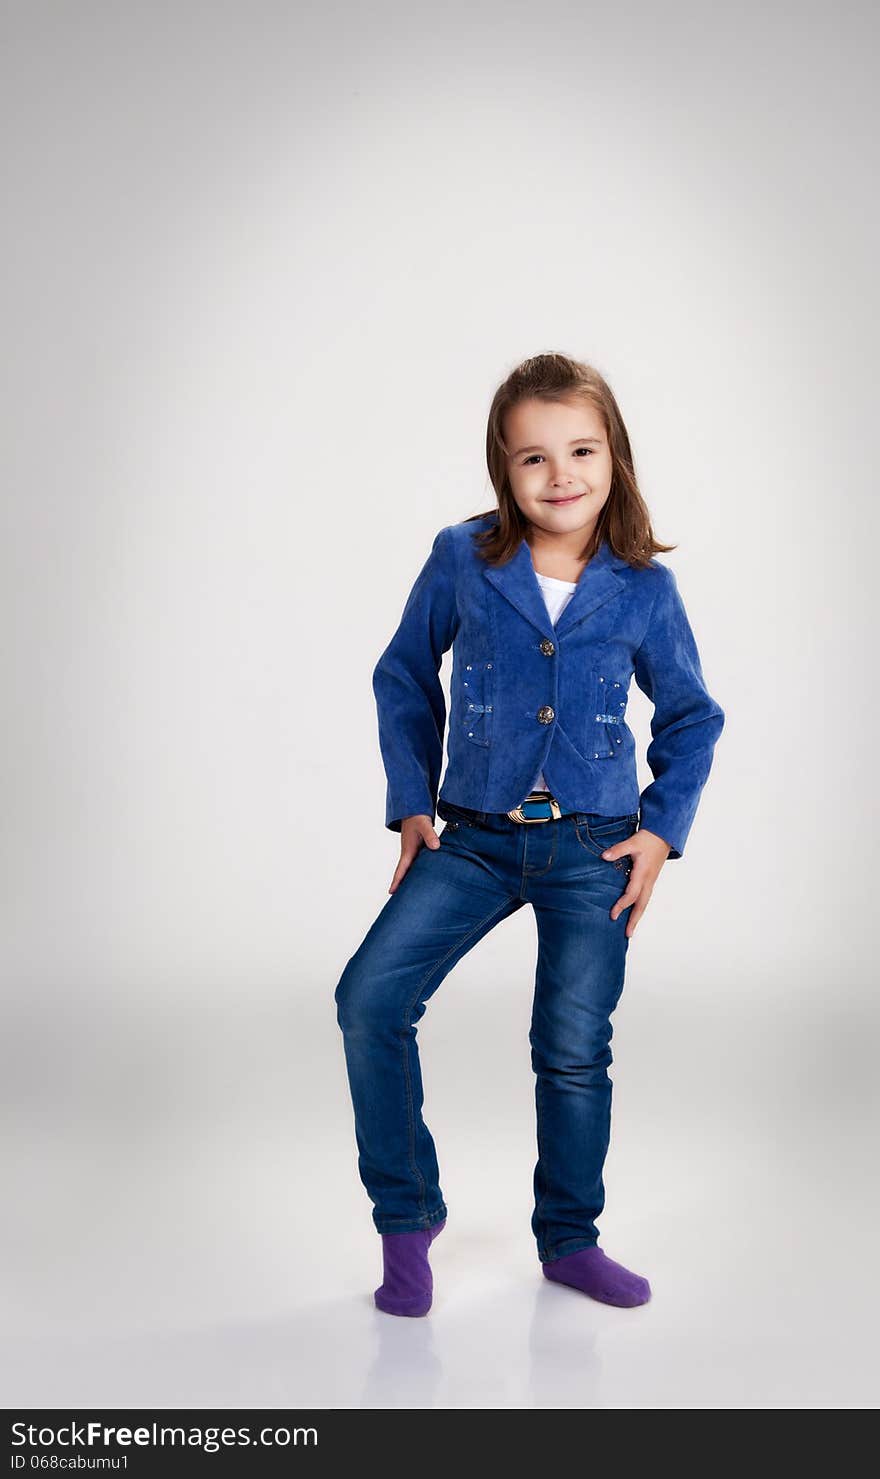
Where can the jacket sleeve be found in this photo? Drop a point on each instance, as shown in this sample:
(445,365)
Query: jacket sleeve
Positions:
(410,703)
(686,721)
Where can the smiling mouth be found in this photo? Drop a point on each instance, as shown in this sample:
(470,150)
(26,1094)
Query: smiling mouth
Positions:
(573,499)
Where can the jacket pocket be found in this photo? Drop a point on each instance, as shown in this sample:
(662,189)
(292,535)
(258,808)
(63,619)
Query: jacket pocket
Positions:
(607,716)
(477,703)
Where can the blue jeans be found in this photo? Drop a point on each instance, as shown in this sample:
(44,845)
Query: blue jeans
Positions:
(486,868)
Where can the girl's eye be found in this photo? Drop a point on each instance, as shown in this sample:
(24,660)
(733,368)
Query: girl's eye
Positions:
(535,455)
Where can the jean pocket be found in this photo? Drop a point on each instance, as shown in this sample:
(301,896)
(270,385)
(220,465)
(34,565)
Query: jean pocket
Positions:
(596,833)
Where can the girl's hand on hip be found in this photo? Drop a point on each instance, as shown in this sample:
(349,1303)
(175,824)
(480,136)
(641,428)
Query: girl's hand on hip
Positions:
(415,832)
(648,852)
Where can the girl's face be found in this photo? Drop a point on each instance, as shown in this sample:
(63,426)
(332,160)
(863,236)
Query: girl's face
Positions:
(559,466)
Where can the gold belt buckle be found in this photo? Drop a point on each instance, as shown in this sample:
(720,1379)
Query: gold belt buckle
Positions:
(517,815)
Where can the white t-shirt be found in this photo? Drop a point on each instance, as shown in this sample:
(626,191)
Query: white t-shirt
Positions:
(557,594)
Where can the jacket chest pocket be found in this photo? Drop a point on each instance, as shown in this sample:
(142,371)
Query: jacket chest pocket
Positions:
(604,731)
(477,706)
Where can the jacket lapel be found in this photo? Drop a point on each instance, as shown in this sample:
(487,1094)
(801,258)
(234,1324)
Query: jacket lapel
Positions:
(518,582)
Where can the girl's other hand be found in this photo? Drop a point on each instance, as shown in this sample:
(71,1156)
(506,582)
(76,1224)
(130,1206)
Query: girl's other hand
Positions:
(414,832)
(648,852)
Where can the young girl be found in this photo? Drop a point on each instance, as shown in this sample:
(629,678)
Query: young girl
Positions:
(551,602)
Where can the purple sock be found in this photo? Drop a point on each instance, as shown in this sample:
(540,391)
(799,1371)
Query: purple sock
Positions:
(407,1285)
(591,1271)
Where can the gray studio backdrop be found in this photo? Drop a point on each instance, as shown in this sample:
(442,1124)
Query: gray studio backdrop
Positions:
(264,265)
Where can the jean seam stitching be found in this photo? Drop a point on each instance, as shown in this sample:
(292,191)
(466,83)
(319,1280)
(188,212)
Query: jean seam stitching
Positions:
(410,1107)
(411,1137)
(540,872)
(439,1218)
(546,1191)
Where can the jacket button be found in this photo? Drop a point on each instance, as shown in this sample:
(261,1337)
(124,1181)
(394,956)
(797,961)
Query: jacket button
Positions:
(547,647)
(545,714)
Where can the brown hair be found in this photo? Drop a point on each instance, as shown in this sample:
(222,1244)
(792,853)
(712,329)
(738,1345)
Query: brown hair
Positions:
(624,520)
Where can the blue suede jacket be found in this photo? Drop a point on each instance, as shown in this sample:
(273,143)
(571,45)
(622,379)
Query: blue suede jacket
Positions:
(527,696)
